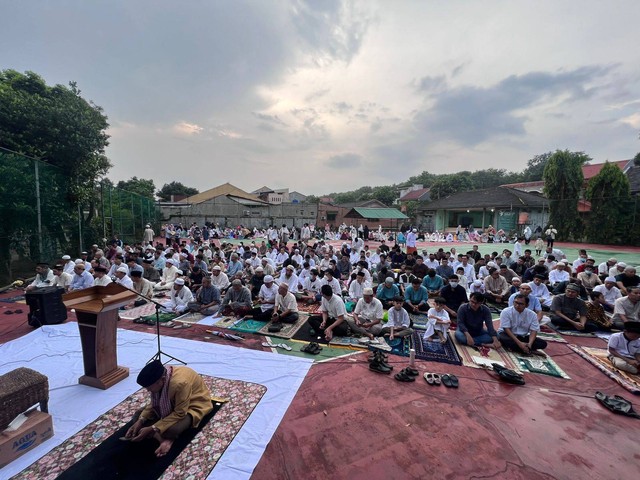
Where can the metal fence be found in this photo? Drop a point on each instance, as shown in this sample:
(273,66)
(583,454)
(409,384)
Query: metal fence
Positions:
(39,221)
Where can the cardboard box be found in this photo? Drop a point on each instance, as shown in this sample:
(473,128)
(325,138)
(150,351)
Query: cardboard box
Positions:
(37,429)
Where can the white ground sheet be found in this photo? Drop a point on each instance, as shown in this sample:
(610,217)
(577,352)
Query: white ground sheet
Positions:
(55,351)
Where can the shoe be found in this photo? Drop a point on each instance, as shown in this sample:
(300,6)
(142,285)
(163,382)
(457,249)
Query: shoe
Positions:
(404,377)
(139,320)
(378,367)
(429,378)
(412,371)
(446,380)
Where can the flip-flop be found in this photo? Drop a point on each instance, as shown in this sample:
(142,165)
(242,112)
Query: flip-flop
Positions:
(455,383)
(169,324)
(181,326)
(429,378)
(403,377)
(18,311)
(284,346)
(9,312)
(436,379)
(446,380)
(271,345)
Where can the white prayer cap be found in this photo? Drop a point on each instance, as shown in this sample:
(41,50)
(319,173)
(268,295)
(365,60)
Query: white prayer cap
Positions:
(147,225)
(78,261)
(170,261)
(291,267)
(179,281)
(492,264)
(122,269)
(367,291)
(477,283)
(247,261)
(183,255)
(66,257)
(268,278)
(415,229)
(217,267)
(259,269)
(622,264)
(610,279)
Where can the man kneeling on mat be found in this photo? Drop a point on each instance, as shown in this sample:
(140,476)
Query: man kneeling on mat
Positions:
(179,401)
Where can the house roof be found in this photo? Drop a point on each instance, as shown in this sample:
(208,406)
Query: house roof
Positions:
(590,171)
(263,189)
(489,198)
(633,174)
(363,203)
(226,189)
(536,184)
(363,212)
(414,194)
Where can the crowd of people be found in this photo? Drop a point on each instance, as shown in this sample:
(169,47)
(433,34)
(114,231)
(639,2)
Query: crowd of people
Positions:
(366,291)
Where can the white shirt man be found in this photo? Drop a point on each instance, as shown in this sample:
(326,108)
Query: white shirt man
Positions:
(122,277)
(432,262)
(61,278)
(267,294)
(367,316)
(356,287)
(219,279)
(330,280)
(69,264)
(557,275)
(609,290)
(541,291)
(412,239)
(180,297)
(288,277)
(169,274)
(312,284)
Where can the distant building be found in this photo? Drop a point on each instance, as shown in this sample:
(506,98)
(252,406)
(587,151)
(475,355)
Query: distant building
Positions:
(369,212)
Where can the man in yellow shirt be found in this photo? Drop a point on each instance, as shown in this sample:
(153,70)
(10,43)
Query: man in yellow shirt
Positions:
(179,401)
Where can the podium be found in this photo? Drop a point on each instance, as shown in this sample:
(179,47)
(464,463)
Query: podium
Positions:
(97,313)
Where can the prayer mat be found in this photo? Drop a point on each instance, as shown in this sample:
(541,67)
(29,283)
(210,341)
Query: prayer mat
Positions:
(304,334)
(598,358)
(248,326)
(537,364)
(16,299)
(190,318)
(162,317)
(435,351)
(288,329)
(347,342)
(137,312)
(312,309)
(550,336)
(196,460)
(398,346)
(226,322)
(571,333)
(481,357)
(419,321)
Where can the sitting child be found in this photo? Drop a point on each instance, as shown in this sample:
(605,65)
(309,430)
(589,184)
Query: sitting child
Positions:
(438,321)
(624,348)
(399,322)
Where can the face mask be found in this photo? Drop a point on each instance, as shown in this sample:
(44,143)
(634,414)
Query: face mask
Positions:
(453,284)
(589,272)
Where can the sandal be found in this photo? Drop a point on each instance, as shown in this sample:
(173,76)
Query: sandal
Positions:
(436,379)
(412,371)
(455,383)
(429,378)
(9,312)
(617,404)
(271,345)
(181,326)
(403,377)
(169,324)
(17,311)
(284,346)
(446,380)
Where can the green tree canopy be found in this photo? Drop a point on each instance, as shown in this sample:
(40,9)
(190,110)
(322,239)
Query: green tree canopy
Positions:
(175,188)
(535,167)
(139,186)
(447,185)
(611,209)
(563,182)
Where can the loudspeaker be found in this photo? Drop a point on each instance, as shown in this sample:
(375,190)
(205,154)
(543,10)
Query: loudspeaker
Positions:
(45,306)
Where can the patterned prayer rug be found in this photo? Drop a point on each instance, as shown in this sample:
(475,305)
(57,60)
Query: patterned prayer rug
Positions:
(248,326)
(137,312)
(571,333)
(550,336)
(435,351)
(483,356)
(598,358)
(288,329)
(419,321)
(162,317)
(226,322)
(190,318)
(398,346)
(16,299)
(347,342)
(195,461)
(312,309)
(537,364)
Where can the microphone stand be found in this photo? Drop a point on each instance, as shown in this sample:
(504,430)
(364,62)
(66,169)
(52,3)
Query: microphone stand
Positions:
(160,352)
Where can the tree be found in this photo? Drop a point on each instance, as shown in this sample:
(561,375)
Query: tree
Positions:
(447,185)
(611,209)
(535,167)
(139,186)
(636,159)
(563,182)
(386,195)
(174,188)
(312,199)
(492,177)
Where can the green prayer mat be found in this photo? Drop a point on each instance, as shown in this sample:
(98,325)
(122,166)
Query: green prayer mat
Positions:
(248,326)
(162,317)
(537,364)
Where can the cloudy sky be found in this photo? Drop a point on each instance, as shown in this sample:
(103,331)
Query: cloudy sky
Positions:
(322,96)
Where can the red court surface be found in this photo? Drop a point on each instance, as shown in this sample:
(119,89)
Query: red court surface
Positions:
(349,422)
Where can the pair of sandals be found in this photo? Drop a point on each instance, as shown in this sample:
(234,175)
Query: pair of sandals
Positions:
(313,348)
(408,374)
(11,312)
(284,346)
(448,380)
(174,325)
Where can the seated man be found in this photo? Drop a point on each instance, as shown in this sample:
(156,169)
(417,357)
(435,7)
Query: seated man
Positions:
(237,300)
(81,278)
(286,306)
(219,279)
(367,316)
(357,286)
(570,312)
(496,287)
(624,348)
(256,281)
(61,278)
(519,327)
(207,298)
(333,282)
(626,279)
(141,285)
(610,291)
(533,304)
(311,288)
(540,291)
(416,297)
(266,301)
(433,283)
(454,295)
(44,277)
(475,326)
(399,324)
(332,321)
(558,278)
(169,274)
(627,308)
(386,292)
(179,401)
(179,300)
(596,312)
(288,276)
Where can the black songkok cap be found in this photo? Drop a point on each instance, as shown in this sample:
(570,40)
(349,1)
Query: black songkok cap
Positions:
(150,374)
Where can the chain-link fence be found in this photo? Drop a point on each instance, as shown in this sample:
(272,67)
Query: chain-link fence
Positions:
(39,221)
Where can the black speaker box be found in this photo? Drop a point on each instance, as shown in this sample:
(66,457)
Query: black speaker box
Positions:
(45,306)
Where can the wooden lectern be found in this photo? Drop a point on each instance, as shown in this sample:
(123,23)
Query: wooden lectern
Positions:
(97,312)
